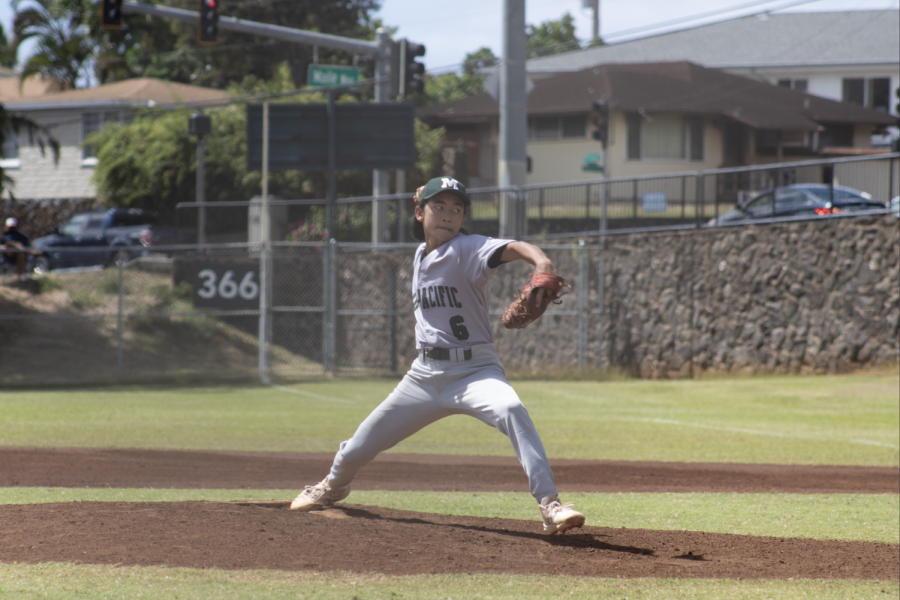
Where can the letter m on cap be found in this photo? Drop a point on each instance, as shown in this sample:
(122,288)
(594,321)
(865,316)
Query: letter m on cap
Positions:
(449,182)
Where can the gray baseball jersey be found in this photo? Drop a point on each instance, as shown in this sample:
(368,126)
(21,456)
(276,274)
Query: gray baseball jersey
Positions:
(450,294)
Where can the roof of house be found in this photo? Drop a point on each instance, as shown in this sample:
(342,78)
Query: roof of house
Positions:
(681,87)
(11,91)
(140,91)
(859,37)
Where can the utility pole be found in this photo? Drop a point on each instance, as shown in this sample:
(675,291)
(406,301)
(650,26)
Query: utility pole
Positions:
(596,32)
(512,167)
(381,177)
(200,125)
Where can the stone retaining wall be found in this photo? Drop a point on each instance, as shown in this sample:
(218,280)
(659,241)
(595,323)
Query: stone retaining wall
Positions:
(813,296)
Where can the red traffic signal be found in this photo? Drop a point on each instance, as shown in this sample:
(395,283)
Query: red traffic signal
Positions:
(208,23)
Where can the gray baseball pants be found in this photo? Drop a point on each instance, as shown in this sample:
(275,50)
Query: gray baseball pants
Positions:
(434,389)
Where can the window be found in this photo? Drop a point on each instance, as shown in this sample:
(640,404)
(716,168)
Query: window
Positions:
(880,94)
(74,226)
(854,91)
(795,84)
(836,135)
(92,122)
(573,127)
(556,127)
(871,93)
(546,128)
(665,137)
(10,158)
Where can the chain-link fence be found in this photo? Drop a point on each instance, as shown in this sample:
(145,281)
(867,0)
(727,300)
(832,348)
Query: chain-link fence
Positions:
(649,300)
(819,294)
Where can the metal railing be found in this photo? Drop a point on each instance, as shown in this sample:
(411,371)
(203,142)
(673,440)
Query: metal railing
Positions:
(652,202)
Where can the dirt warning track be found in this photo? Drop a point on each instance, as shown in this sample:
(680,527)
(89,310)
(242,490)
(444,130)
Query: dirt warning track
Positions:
(174,469)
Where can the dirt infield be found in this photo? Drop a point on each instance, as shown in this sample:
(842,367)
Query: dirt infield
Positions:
(88,467)
(368,539)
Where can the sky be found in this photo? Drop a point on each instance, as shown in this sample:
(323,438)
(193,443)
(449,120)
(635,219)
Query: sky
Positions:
(450,35)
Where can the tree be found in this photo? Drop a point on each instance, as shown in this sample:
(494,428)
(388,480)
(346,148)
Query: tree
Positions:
(151,162)
(64,44)
(7,54)
(453,86)
(552,37)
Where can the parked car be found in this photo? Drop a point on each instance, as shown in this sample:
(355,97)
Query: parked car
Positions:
(100,237)
(801,199)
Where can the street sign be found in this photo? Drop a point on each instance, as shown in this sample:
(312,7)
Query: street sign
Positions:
(329,75)
(367,136)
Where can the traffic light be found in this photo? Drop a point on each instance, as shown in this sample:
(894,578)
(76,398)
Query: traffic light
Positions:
(208,24)
(412,80)
(111,14)
(600,120)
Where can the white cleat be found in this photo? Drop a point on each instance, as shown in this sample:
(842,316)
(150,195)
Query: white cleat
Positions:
(319,496)
(559,517)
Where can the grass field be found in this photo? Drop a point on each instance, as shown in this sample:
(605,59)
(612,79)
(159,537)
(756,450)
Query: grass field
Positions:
(849,420)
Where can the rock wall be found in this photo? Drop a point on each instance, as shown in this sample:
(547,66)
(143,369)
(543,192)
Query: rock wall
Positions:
(816,296)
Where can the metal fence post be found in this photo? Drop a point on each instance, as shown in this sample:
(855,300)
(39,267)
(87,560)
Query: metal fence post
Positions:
(701,182)
(601,274)
(263,311)
(890,179)
(119,359)
(331,308)
(587,206)
(634,199)
(582,303)
(393,319)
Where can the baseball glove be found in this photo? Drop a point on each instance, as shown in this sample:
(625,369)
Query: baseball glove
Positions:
(526,309)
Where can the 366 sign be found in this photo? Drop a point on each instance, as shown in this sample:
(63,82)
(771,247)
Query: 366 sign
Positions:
(226,286)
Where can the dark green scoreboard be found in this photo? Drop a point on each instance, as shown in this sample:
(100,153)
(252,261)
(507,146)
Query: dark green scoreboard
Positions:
(367,136)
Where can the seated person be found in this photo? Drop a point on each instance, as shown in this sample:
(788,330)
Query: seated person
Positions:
(12,238)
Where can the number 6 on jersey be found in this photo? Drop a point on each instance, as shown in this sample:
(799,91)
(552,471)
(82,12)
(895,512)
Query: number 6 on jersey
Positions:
(459,330)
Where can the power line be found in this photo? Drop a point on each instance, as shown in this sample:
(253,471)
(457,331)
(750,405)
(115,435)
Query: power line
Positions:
(703,15)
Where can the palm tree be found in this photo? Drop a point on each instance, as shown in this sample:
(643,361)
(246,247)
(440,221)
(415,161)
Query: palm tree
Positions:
(61,28)
(7,56)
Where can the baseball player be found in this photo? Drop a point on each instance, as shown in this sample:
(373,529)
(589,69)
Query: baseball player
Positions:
(457,371)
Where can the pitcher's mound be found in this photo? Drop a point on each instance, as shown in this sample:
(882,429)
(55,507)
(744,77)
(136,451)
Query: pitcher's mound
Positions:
(224,535)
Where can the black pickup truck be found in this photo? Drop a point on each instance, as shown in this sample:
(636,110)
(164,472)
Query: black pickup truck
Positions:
(100,237)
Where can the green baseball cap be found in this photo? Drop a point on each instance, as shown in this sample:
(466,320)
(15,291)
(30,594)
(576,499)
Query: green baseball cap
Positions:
(445,184)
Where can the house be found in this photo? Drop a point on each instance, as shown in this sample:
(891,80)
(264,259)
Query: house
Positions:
(71,116)
(665,117)
(850,56)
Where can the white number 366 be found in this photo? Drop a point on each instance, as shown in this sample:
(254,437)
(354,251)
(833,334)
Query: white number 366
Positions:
(227,288)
